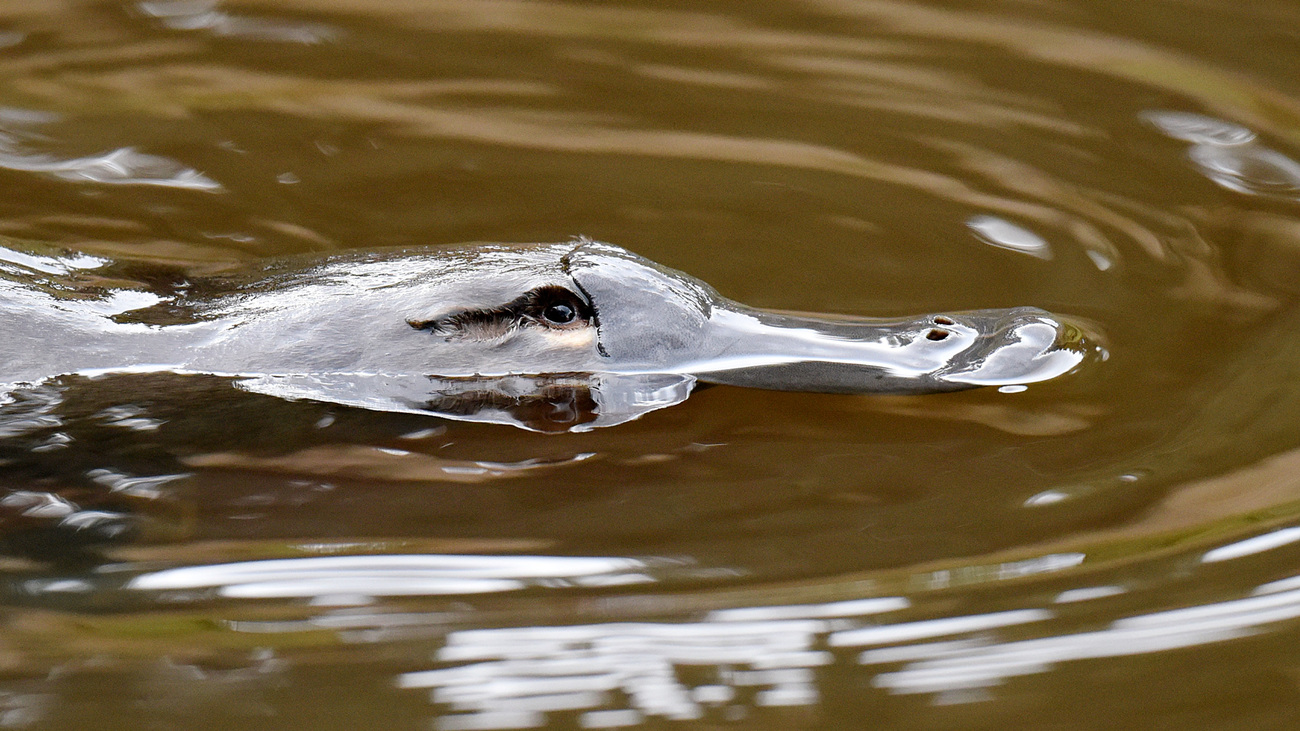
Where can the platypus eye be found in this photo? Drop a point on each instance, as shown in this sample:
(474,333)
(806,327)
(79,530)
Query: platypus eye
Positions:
(556,307)
(559,313)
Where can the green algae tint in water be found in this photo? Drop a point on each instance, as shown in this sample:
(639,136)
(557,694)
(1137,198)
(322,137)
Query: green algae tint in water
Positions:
(1116,548)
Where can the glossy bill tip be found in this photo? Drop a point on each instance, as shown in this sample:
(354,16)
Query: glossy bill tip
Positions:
(1024,345)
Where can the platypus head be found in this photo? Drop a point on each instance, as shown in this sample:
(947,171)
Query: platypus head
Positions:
(648,318)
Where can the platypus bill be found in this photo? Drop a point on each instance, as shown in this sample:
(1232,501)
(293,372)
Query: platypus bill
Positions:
(550,336)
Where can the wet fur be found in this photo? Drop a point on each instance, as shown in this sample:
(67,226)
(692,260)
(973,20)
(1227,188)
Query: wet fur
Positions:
(497,322)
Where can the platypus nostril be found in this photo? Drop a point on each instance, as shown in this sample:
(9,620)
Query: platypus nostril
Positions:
(936,333)
(941,320)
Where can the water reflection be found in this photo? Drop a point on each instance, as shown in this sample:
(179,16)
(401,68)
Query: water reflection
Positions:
(946,667)
(385,464)
(1088,593)
(174,689)
(740,659)
(1230,154)
(567,402)
(1004,234)
(29,410)
(1198,128)
(21,262)
(1256,544)
(1256,170)
(927,629)
(204,15)
(360,579)
(123,166)
(621,674)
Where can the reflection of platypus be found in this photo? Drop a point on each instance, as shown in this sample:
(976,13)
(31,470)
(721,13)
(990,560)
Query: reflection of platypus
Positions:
(401,331)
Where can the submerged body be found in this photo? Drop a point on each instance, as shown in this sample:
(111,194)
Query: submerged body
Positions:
(376,330)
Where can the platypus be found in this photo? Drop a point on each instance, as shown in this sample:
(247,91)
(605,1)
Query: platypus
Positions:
(398,330)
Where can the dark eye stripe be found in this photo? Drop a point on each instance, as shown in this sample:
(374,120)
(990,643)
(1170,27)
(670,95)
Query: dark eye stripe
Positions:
(482,324)
(550,306)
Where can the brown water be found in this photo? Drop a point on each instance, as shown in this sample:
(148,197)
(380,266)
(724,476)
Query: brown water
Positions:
(1118,548)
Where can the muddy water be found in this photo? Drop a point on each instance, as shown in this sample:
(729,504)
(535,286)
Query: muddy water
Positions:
(1116,548)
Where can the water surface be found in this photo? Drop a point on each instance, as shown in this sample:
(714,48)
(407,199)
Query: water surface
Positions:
(1115,548)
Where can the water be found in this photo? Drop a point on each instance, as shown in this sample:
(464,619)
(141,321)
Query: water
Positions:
(1116,548)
